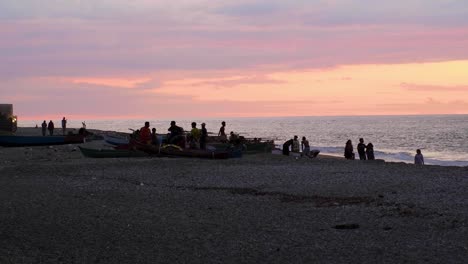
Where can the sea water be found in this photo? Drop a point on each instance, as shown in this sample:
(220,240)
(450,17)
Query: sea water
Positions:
(443,139)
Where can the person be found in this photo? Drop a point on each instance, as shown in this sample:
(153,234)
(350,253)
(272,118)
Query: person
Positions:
(419,158)
(50,127)
(203,136)
(305,147)
(361,148)
(348,151)
(286,146)
(175,135)
(194,136)
(84,124)
(370,151)
(154,137)
(222,132)
(64,126)
(295,145)
(44,128)
(232,137)
(145,134)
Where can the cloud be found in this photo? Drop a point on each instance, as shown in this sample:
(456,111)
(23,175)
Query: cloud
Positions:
(436,88)
(236,81)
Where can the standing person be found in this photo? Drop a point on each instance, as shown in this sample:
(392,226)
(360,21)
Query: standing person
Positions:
(361,148)
(203,136)
(419,158)
(50,127)
(64,126)
(194,136)
(44,128)
(348,151)
(145,134)
(370,151)
(305,147)
(222,132)
(295,146)
(286,146)
(154,137)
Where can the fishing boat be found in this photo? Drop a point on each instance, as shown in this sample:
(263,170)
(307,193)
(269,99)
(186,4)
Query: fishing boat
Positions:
(20,141)
(113,140)
(176,151)
(111,153)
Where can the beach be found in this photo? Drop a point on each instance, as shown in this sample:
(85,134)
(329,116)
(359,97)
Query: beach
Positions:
(60,207)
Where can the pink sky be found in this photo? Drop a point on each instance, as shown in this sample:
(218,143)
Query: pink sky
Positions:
(200,58)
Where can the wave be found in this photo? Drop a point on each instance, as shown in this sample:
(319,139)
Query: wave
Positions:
(431,158)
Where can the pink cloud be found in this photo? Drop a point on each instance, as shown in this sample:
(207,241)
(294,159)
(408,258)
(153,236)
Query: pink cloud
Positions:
(426,88)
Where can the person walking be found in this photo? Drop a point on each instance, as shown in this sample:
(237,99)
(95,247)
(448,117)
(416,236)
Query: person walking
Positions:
(361,148)
(64,126)
(44,128)
(50,127)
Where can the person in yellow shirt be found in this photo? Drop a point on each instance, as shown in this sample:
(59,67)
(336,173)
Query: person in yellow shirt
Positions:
(194,136)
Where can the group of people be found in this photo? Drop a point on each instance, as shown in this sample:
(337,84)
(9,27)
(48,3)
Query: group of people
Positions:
(196,138)
(294,146)
(366,152)
(50,126)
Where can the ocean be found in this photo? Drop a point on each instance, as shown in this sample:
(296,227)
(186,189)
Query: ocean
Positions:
(443,139)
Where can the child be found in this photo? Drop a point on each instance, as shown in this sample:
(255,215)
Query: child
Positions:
(370,151)
(418,158)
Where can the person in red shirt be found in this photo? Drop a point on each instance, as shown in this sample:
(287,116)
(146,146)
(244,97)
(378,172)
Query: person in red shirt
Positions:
(145,134)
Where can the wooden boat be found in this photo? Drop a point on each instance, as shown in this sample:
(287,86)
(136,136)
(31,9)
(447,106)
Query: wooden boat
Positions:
(247,147)
(258,147)
(111,153)
(20,141)
(115,140)
(176,151)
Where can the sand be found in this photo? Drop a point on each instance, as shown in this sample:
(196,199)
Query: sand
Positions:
(59,207)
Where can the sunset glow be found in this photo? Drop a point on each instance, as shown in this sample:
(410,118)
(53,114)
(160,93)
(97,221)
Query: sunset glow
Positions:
(200,58)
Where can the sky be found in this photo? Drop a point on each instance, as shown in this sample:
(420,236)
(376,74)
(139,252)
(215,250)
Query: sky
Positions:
(119,59)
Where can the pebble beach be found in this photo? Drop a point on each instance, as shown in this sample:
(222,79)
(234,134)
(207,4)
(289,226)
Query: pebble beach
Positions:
(60,207)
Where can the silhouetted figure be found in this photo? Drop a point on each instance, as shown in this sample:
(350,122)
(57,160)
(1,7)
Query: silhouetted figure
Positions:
(419,158)
(295,145)
(361,148)
(286,146)
(145,134)
(222,132)
(195,134)
(176,135)
(348,151)
(203,136)
(44,128)
(370,151)
(50,127)
(154,137)
(64,126)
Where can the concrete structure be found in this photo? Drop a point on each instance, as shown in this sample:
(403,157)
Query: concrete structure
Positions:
(7,120)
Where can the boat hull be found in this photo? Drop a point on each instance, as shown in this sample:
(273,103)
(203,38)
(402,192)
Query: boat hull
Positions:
(21,141)
(111,153)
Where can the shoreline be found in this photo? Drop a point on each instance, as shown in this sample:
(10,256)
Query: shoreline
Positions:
(32,131)
(59,207)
